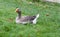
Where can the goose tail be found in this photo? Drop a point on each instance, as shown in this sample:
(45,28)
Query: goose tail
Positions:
(35,20)
(37,16)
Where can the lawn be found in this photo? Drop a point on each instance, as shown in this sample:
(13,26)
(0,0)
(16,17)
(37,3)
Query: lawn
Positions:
(48,24)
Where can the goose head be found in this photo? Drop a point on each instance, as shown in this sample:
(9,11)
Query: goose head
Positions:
(19,12)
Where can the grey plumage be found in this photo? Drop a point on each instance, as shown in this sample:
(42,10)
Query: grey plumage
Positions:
(24,19)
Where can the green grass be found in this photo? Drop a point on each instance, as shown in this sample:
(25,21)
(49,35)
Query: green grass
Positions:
(47,26)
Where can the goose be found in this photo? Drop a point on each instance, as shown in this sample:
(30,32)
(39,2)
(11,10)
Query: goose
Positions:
(25,19)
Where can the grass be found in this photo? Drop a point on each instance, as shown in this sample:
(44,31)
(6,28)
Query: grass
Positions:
(48,24)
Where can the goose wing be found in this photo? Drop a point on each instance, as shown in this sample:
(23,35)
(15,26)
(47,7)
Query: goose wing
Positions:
(27,18)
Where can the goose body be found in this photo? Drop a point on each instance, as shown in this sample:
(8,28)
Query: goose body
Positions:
(26,19)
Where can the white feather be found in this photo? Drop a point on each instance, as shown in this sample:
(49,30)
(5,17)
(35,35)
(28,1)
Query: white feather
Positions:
(35,20)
